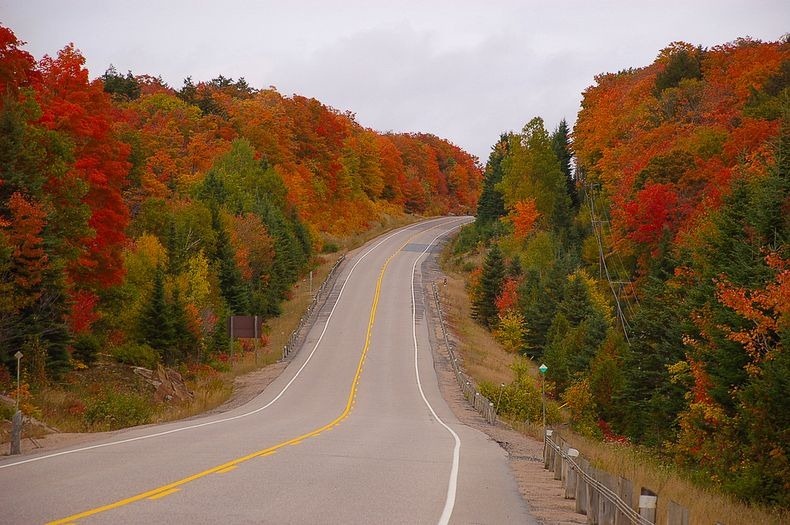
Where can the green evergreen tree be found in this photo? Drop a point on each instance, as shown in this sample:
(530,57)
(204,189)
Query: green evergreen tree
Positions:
(491,205)
(184,341)
(231,283)
(539,297)
(561,143)
(119,86)
(650,400)
(682,64)
(484,307)
(155,325)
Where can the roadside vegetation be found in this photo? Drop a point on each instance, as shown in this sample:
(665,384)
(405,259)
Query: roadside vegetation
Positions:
(644,259)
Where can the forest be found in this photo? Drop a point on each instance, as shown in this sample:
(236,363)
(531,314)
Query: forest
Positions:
(135,217)
(642,255)
(643,258)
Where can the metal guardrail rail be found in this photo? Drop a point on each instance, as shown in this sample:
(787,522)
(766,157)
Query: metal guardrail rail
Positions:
(481,403)
(625,512)
(294,342)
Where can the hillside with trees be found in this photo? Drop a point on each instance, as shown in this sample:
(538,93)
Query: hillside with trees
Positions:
(644,258)
(136,217)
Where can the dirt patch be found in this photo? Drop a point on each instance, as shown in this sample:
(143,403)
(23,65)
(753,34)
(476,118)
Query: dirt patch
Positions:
(544,495)
(246,387)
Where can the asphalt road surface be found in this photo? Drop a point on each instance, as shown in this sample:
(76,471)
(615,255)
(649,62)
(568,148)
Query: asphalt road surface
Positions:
(354,431)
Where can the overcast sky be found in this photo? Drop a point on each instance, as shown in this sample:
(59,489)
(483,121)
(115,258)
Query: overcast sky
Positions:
(463,70)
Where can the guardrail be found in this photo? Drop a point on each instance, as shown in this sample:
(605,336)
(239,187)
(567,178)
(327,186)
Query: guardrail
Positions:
(295,341)
(604,498)
(481,403)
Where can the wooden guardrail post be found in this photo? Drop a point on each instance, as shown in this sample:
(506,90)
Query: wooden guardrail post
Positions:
(548,449)
(625,490)
(606,508)
(677,514)
(647,505)
(581,486)
(592,498)
(572,476)
(558,458)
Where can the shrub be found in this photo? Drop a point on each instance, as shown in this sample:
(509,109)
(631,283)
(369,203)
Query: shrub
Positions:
(521,400)
(6,411)
(85,348)
(330,247)
(115,410)
(136,355)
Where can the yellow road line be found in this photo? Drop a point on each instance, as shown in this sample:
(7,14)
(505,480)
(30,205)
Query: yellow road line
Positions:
(163,494)
(226,470)
(165,490)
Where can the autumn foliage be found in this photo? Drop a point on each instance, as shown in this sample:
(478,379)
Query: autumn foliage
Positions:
(133,213)
(654,284)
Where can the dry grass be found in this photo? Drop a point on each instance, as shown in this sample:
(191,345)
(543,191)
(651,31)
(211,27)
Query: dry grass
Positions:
(485,360)
(210,392)
(705,505)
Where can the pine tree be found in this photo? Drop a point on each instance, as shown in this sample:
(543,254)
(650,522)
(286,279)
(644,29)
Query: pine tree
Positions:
(560,141)
(539,297)
(650,400)
(491,205)
(183,339)
(156,327)
(231,283)
(493,277)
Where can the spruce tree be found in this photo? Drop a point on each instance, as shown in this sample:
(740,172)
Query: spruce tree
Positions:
(560,141)
(156,328)
(484,307)
(491,205)
(183,339)
(231,282)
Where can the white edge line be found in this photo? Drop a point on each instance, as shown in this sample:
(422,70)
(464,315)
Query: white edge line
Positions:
(452,484)
(240,416)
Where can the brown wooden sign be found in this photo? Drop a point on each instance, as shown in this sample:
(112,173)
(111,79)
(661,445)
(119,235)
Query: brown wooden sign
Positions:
(245,326)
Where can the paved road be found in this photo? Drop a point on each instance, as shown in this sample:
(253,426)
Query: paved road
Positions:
(354,431)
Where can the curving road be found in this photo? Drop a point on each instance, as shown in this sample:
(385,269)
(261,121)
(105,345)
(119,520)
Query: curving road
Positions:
(354,431)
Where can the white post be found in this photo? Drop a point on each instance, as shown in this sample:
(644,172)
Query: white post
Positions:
(647,507)
(18,356)
(542,369)
(572,477)
(16,421)
(501,388)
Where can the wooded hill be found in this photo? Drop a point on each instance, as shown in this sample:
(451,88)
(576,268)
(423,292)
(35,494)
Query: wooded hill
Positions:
(654,278)
(137,217)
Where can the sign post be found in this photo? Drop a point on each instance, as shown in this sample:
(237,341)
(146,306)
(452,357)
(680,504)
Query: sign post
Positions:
(543,368)
(16,421)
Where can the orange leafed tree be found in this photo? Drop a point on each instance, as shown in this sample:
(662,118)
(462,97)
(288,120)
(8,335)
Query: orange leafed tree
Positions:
(523,216)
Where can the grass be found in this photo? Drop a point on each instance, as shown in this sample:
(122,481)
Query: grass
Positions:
(485,360)
(644,469)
